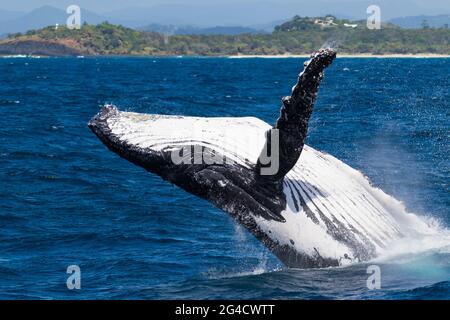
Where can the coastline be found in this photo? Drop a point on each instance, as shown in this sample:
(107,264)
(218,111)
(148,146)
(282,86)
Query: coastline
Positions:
(345,55)
(241,56)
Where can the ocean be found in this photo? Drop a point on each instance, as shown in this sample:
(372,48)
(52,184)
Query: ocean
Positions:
(66,200)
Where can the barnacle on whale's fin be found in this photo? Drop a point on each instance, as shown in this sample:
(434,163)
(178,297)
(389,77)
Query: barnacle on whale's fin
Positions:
(292,125)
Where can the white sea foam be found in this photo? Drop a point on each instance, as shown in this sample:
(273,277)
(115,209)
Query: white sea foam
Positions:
(19,56)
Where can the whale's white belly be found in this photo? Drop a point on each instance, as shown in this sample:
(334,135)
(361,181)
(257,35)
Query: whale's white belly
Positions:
(331,208)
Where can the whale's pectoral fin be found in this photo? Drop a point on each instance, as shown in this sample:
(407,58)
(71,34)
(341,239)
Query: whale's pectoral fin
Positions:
(291,128)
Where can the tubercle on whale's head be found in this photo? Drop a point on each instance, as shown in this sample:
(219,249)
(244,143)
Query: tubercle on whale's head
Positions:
(102,124)
(107,111)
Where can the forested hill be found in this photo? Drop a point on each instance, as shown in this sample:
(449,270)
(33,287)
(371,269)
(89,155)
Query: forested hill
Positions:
(298,36)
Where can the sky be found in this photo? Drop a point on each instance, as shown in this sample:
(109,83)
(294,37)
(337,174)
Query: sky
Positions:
(103,6)
(244,12)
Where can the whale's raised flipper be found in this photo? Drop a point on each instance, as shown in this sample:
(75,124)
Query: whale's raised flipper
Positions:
(295,113)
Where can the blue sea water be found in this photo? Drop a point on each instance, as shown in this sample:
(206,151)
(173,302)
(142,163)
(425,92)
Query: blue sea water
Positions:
(66,200)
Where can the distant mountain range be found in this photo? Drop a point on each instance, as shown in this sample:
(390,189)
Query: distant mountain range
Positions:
(13,22)
(249,13)
(216,13)
(416,22)
(40,17)
(172,29)
(165,19)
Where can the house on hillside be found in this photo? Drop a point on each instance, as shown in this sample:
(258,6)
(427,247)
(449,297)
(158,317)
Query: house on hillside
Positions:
(328,22)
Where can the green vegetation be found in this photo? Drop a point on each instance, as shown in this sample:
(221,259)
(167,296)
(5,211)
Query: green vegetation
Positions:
(298,36)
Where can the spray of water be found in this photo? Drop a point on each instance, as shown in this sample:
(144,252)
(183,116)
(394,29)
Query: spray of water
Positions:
(398,169)
(331,43)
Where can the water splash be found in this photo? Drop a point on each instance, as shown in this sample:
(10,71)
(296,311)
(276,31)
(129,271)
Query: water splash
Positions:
(331,43)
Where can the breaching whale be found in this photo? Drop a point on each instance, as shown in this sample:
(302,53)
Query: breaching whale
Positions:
(312,211)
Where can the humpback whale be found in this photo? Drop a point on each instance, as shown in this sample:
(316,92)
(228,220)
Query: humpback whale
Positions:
(312,211)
